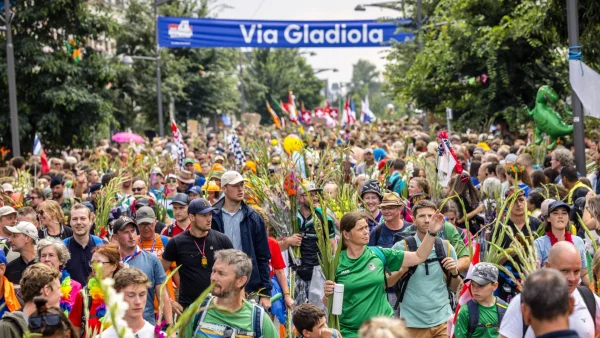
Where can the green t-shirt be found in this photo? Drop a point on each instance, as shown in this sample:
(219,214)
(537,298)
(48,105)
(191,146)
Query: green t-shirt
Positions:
(241,319)
(364,288)
(487,315)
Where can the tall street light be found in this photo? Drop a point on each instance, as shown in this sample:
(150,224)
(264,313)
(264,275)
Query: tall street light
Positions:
(12,83)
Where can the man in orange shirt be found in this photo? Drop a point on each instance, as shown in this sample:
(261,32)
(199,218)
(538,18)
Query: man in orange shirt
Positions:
(153,243)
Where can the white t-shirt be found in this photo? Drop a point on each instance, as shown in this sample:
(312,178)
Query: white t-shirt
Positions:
(580,320)
(146,332)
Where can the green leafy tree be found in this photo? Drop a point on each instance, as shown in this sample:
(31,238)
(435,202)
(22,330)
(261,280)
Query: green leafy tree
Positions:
(67,102)
(272,73)
(366,82)
(489,58)
(199,81)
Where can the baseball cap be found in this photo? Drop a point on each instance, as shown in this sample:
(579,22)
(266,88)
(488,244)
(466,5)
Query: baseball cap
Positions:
(231,177)
(157,171)
(483,274)
(95,187)
(181,199)
(7,210)
(218,158)
(188,160)
(368,150)
(310,187)
(89,205)
(200,206)
(558,204)
(121,222)
(145,215)
(24,228)
(195,190)
(7,187)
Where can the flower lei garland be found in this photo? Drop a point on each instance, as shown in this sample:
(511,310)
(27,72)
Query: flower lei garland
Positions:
(554,240)
(66,303)
(97,298)
(513,169)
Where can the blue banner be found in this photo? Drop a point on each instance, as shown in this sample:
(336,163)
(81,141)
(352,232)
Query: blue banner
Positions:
(211,33)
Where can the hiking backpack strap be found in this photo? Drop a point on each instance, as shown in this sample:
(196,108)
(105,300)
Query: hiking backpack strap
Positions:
(378,230)
(199,317)
(501,307)
(170,231)
(473,308)
(589,300)
(410,244)
(257,320)
(381,256)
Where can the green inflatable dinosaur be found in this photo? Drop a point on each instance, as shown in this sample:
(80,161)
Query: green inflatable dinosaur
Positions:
(547,120)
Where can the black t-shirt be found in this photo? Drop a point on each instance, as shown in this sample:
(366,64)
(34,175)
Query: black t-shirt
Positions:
(534,224)
(14,270)
(183,249)
(65,232)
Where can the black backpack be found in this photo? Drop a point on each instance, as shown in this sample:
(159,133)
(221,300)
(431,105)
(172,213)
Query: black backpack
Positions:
(473,307)
(588,298)
(411,245)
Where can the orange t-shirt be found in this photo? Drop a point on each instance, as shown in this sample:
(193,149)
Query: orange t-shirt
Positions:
(156,247)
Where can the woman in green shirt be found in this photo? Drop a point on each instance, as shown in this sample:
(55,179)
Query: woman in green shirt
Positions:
(361,271)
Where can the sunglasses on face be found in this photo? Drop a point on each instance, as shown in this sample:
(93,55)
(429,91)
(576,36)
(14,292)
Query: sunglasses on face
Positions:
(137,189)
(172,181)
(50,320)
(40,212)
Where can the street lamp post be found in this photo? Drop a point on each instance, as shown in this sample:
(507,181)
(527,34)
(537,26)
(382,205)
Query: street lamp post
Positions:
(321,70)
(12,84)
(161,127)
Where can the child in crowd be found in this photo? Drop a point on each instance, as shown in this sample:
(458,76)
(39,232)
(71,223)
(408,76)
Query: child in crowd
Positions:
(482,315)
(310,322)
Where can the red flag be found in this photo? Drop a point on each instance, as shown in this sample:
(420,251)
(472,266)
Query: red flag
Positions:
(465,294)
(38,150)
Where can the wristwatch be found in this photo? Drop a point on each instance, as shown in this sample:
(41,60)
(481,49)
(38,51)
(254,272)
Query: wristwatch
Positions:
(434,234)
(454,276)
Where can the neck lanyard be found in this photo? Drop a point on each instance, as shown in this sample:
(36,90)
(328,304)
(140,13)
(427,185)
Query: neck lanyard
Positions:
(46,234)
(133,255)
(204,261)
(153,244)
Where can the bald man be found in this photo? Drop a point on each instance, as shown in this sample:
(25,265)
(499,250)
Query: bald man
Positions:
(565,258)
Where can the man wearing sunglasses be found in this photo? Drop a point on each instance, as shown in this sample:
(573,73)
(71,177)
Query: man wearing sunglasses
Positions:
(38,280)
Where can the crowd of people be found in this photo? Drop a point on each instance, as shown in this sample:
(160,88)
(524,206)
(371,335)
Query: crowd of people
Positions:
(258,218)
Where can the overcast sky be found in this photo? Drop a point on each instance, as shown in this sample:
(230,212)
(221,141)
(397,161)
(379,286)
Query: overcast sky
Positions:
(340,58)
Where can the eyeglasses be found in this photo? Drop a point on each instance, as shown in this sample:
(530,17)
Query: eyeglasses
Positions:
(171,180)
(147,225)
(40,212)
(137,189)
(50,320)
(98,262)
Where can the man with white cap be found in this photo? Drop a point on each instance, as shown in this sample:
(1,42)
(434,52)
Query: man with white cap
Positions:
(246,230)
(23,238)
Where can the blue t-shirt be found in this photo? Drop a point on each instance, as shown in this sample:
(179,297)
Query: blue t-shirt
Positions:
(150,265)
(543,246)
(386,238)
(3,308)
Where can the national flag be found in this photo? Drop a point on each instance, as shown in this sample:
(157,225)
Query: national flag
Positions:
(446,162)
(236,149)
(306,115)
(367,115)
(274,116)
(179,143)
(347,118)
(291,106)
(465,294)
(352,111)
(38,150)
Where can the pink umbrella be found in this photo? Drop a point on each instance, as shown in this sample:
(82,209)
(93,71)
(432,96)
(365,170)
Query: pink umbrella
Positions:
(124,137)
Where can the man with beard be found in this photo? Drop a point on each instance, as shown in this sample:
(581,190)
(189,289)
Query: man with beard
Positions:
(194,251)
(238,317)
(81,244)
(58,189)
(519,222)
